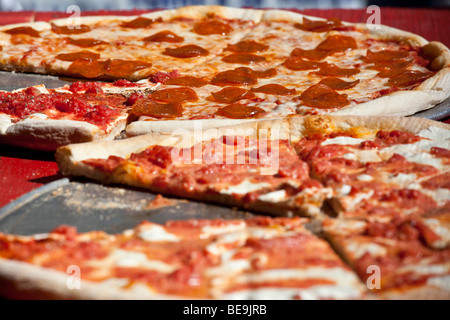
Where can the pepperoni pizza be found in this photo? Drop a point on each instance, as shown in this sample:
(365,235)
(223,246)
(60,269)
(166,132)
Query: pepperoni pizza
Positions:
(225,65)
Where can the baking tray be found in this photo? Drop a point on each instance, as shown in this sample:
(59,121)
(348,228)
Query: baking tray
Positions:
(91,206)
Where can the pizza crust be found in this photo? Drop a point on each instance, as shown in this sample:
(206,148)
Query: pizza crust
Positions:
(138,128)
(48,135)
(20,280)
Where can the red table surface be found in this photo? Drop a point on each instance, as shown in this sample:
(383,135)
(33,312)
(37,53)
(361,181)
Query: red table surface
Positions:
(21,170)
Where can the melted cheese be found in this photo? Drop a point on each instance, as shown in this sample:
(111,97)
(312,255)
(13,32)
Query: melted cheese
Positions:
(343,141)
(156,233)
(126,258)
(275,196)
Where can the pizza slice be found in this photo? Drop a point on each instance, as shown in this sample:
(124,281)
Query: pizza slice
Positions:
(45,119)
(404,258)
(229,166)
(256,258)
(381,169)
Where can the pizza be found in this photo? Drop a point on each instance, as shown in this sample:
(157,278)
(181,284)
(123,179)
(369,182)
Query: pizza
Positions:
(294,119)
(46,118)
(385,168)
(225,65)
(409,253)
(343,208)
(256,258)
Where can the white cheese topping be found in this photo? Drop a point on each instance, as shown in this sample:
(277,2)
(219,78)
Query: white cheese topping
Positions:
(424,268)
(403,178)
(132,259)
(343,141)
(358,249)
(208,231)
(364,177)
(275,196)
(156,233)
(244,187)
(440,282)
(343,190)
(440,229)
(362,156)
(436,134)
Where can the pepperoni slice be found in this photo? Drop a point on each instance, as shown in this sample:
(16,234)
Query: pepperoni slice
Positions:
(441,153)
(315,55)
(187,81)
(389,69)
(274,88)
(175,95)
(243,58)
(212,26)
(337,43)
(24,30)
(164,36)
(297,64)
(239,111)
(385,55)
(231,95)
(322,97)
(248,46)
(124,68)
(187,51)
(151,108)
(237,77)
(409,78)
(140,22)
(86,42)
(331,70)
(319,26)
(338,84)
(241,76)
(68,30)
(269,73)
(78,55)
(88,68)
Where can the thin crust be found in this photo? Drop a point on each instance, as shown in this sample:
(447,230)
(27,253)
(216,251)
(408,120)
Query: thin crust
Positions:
(19,280)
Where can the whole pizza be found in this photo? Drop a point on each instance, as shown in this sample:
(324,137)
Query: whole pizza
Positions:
(298,120)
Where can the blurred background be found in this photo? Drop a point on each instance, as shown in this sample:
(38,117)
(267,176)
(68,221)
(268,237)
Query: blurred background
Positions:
(61,5)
